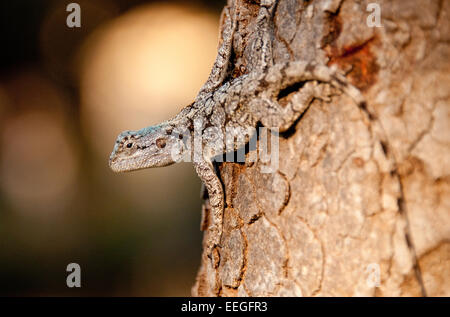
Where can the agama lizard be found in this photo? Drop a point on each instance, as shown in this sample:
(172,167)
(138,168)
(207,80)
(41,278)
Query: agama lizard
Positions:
(242,102)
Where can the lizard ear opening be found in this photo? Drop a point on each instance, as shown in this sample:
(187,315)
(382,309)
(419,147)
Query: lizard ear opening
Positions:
(161,143)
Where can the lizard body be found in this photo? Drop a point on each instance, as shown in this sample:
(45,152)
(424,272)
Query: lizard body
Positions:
(240,103)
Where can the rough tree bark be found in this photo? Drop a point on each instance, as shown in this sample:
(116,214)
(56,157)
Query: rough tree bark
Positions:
(344,201)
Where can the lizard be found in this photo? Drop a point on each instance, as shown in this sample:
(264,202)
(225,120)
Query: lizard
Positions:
(237,103)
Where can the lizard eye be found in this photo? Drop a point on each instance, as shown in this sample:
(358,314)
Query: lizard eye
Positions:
(161,143)
(129,145)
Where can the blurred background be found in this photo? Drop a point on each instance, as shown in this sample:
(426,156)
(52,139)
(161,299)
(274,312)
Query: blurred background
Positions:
(65,94)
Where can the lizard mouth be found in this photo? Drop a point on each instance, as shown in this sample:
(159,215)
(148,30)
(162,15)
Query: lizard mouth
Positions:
(118,165)
(113,165)
(121,165)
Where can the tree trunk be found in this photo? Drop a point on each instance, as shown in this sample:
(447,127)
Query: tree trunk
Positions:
(348,213)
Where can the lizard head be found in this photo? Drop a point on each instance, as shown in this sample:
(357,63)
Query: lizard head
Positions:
(155,146)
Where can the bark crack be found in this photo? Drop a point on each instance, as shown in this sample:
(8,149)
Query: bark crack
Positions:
(403,211)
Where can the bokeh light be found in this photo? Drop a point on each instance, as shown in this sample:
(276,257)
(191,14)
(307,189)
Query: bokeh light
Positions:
(143,67)
(65,95)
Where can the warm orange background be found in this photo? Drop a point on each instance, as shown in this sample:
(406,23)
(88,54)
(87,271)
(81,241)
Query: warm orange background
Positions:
(65,94)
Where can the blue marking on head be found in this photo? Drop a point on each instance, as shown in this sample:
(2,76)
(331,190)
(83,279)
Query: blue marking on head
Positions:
(141,132)
(149,129)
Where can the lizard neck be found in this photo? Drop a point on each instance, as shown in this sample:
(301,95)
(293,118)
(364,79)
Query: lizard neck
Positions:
(184,121)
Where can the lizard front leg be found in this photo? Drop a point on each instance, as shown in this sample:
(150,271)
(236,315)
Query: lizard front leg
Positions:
(205,170)
(273,115)
(308,77)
